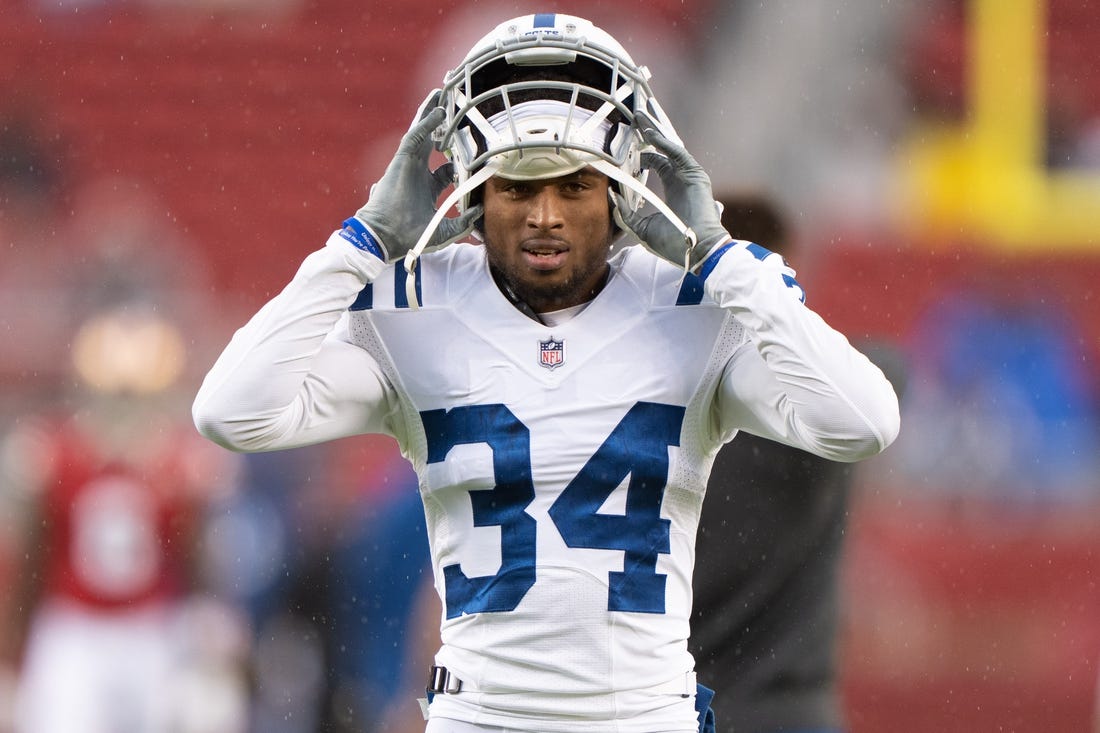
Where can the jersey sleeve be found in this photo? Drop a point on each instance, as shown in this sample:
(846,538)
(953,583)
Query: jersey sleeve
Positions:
(796,380)
(287,379)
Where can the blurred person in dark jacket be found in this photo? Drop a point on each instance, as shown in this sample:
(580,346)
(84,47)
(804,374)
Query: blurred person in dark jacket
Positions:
(766,595)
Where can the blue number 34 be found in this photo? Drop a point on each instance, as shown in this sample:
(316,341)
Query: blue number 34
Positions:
(637,447)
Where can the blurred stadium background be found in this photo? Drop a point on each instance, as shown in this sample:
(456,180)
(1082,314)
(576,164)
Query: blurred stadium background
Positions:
(942,161)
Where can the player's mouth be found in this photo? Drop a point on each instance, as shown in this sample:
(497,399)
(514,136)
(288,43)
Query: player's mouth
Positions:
(544,254)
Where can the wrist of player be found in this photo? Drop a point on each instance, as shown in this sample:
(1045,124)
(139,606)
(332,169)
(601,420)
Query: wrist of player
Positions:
(709,244)
(678,242)
(363,237)
(346,256)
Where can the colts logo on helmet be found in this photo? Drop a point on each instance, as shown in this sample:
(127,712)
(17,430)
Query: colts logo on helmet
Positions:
(551,353)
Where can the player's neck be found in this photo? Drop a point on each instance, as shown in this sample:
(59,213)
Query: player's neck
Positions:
(558,317)
(550,309)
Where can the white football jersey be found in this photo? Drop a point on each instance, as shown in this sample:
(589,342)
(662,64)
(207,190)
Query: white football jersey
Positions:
(562,469)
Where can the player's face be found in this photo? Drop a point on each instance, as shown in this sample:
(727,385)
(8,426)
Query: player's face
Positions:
(549,240)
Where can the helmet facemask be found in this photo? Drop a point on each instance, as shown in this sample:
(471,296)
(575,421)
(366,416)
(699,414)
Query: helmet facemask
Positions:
(540,97)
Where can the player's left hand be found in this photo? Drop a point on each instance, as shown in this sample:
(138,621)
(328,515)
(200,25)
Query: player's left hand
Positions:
(402,202)
(687,192)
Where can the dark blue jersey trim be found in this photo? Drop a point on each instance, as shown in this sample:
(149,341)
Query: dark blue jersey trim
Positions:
(758,252)
(712,261)
(365,300)
(691,291)
(400,298)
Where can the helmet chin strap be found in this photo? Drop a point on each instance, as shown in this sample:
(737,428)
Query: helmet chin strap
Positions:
(639,188)
(487,171)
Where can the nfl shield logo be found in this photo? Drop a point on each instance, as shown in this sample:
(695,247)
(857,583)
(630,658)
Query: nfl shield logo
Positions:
(551,353)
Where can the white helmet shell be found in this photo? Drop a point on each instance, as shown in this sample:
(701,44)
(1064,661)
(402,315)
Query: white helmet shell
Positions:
(583,114)
(542,96)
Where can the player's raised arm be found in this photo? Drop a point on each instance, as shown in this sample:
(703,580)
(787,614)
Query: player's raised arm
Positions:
(284,380)
(799,381)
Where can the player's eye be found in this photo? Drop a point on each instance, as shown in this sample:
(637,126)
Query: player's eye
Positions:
(516,189)
(575,186)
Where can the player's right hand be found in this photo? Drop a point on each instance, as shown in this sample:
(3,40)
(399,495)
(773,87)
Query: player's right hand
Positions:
(402,202)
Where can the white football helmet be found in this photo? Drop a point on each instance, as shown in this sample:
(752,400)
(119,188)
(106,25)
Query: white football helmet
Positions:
(542,96)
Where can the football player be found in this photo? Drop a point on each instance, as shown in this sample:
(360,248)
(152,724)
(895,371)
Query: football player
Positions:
(560,404)
(108,623)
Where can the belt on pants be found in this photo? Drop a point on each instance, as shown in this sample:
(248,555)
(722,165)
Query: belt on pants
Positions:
(441,681)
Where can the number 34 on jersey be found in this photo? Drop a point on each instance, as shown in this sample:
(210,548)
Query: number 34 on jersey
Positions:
(637,447)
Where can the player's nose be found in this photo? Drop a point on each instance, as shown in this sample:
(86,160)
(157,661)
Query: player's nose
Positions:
(546,211)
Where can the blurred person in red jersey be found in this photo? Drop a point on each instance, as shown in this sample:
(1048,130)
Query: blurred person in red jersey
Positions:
(107,629)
